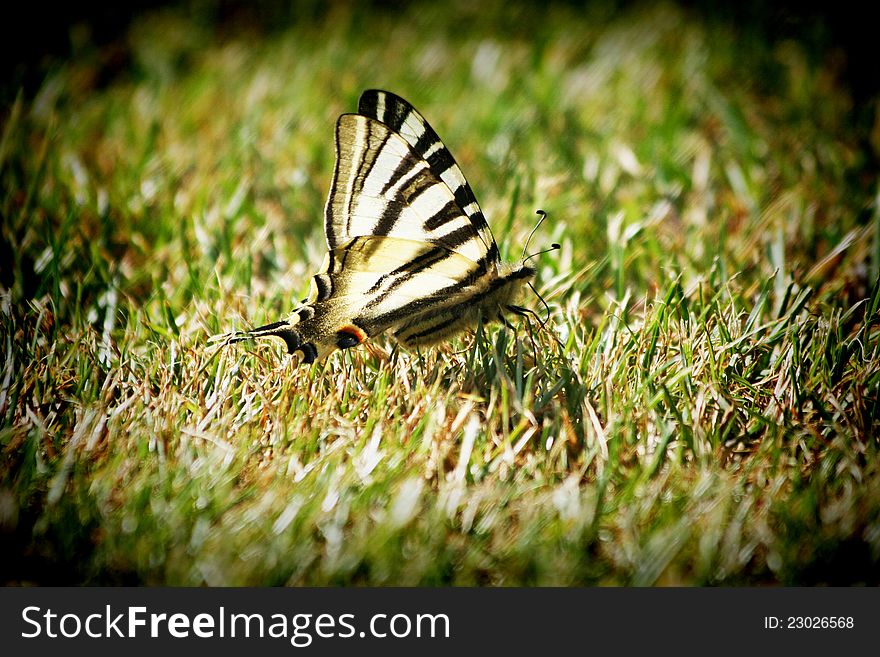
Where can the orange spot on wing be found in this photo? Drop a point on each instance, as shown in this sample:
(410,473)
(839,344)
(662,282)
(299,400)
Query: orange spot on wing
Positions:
(354,331)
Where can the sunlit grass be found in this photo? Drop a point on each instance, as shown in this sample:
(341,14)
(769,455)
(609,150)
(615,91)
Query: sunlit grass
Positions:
(703,412)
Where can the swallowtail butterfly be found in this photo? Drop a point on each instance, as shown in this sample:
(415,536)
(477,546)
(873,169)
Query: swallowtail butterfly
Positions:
(409,250)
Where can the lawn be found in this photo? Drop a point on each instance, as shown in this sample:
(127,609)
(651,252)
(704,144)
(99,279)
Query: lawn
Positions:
(700,408)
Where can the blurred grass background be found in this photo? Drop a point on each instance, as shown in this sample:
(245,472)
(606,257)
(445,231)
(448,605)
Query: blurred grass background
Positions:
(711,417)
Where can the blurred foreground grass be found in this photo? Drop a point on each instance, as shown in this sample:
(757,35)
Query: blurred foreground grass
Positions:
(712,418)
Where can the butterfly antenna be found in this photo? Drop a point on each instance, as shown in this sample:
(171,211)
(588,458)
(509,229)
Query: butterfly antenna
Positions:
(553,247)
(525,259)
(529,239)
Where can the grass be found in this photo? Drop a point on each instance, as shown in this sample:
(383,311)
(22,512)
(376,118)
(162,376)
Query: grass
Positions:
(710,416)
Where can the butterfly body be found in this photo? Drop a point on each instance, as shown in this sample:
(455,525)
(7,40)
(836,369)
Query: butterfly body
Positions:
(409,250)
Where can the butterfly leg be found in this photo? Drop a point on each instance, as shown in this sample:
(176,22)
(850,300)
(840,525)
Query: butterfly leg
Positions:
(526,314)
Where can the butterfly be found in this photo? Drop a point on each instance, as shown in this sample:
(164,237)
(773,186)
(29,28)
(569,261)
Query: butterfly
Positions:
(409,251)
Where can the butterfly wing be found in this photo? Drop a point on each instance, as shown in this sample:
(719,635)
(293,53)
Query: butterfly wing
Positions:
(395,177)
(405,120)
(371,285)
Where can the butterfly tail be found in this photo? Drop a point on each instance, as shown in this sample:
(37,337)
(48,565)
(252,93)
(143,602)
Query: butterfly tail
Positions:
(284,330)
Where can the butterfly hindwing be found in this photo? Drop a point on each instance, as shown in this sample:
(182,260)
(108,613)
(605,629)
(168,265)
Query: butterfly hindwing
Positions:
(373,284)
(420,291)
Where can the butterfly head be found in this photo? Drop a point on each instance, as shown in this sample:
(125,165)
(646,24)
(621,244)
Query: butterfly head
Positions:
(522,272)
(512,278)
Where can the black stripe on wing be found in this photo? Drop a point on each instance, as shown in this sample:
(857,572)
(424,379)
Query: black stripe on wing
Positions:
(405,196)
(445,299)
(431,330)
(378,189)
(401,274)
(406,165)
(390,282)
(403,118)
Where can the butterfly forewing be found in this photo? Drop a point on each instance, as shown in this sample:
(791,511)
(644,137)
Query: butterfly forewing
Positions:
(403,118)
(382,188)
